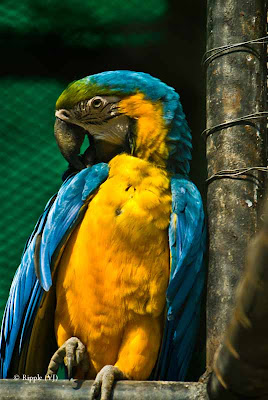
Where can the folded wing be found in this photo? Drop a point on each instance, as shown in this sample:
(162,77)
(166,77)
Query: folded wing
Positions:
(187,239)
(33,278)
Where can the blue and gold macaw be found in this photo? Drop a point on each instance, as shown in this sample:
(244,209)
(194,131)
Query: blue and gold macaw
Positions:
(111,278)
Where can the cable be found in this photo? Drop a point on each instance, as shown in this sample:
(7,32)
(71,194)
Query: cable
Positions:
(237,174)
(218,51)
(237,121)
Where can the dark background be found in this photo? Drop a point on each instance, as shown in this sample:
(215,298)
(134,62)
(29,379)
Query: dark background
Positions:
(45,44)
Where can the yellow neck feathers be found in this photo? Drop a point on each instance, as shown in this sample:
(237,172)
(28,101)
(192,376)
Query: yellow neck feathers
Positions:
(151,130)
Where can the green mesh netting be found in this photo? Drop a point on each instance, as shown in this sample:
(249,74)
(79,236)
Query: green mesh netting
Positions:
(31,165)
(30,160)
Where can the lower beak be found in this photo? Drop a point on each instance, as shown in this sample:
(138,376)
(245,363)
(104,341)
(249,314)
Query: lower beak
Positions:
(70,139)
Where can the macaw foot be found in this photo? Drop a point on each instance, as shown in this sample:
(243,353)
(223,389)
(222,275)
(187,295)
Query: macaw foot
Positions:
(73,353)
(104,382)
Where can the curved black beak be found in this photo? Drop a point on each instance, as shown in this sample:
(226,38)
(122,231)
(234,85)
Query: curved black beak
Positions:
(70,139)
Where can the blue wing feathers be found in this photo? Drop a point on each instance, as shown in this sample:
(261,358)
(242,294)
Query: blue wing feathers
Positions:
(187,246)
(189,309)
(64,211)
(20,293)
(187,205)
(187,346)
(26,290)
(31,308)
(40,220)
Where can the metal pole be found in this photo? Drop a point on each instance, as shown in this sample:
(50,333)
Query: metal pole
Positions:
(236,86)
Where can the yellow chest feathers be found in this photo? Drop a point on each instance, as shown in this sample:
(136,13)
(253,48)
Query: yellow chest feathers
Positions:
(136,199)
(119,254)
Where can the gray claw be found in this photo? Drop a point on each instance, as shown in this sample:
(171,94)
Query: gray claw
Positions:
(69,367)
(72,353)
(104,382)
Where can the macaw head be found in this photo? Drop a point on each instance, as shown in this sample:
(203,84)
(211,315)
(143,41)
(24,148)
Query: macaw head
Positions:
(123,111)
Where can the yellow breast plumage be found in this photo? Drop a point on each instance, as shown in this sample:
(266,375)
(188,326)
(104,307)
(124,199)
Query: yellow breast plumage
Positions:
(115,266)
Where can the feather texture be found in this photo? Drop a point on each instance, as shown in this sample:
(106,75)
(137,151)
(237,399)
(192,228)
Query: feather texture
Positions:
(26,290)
(187,243)
(163,140)
(187,240)
(124,83)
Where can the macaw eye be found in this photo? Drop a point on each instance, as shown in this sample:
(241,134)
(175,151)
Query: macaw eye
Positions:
(96,102)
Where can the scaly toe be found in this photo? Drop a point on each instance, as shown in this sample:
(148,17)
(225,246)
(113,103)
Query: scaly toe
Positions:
(104,382)
(73,353)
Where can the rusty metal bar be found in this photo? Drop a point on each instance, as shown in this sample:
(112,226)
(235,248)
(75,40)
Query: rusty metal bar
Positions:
(241,365)
(28,389)
(236,86)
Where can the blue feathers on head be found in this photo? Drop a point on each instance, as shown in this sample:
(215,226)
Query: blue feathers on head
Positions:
(130,82)
(179,136)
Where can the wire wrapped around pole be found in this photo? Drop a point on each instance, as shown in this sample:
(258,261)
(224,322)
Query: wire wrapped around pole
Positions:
(244,120)
(241,46)
(239,173)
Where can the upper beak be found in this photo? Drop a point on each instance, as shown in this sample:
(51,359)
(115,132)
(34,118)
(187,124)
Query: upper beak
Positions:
(70,139)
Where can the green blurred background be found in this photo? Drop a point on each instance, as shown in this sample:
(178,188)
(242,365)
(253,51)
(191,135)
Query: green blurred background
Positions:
(46,44)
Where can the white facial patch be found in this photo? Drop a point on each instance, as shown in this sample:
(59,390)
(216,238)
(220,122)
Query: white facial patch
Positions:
(112,131)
